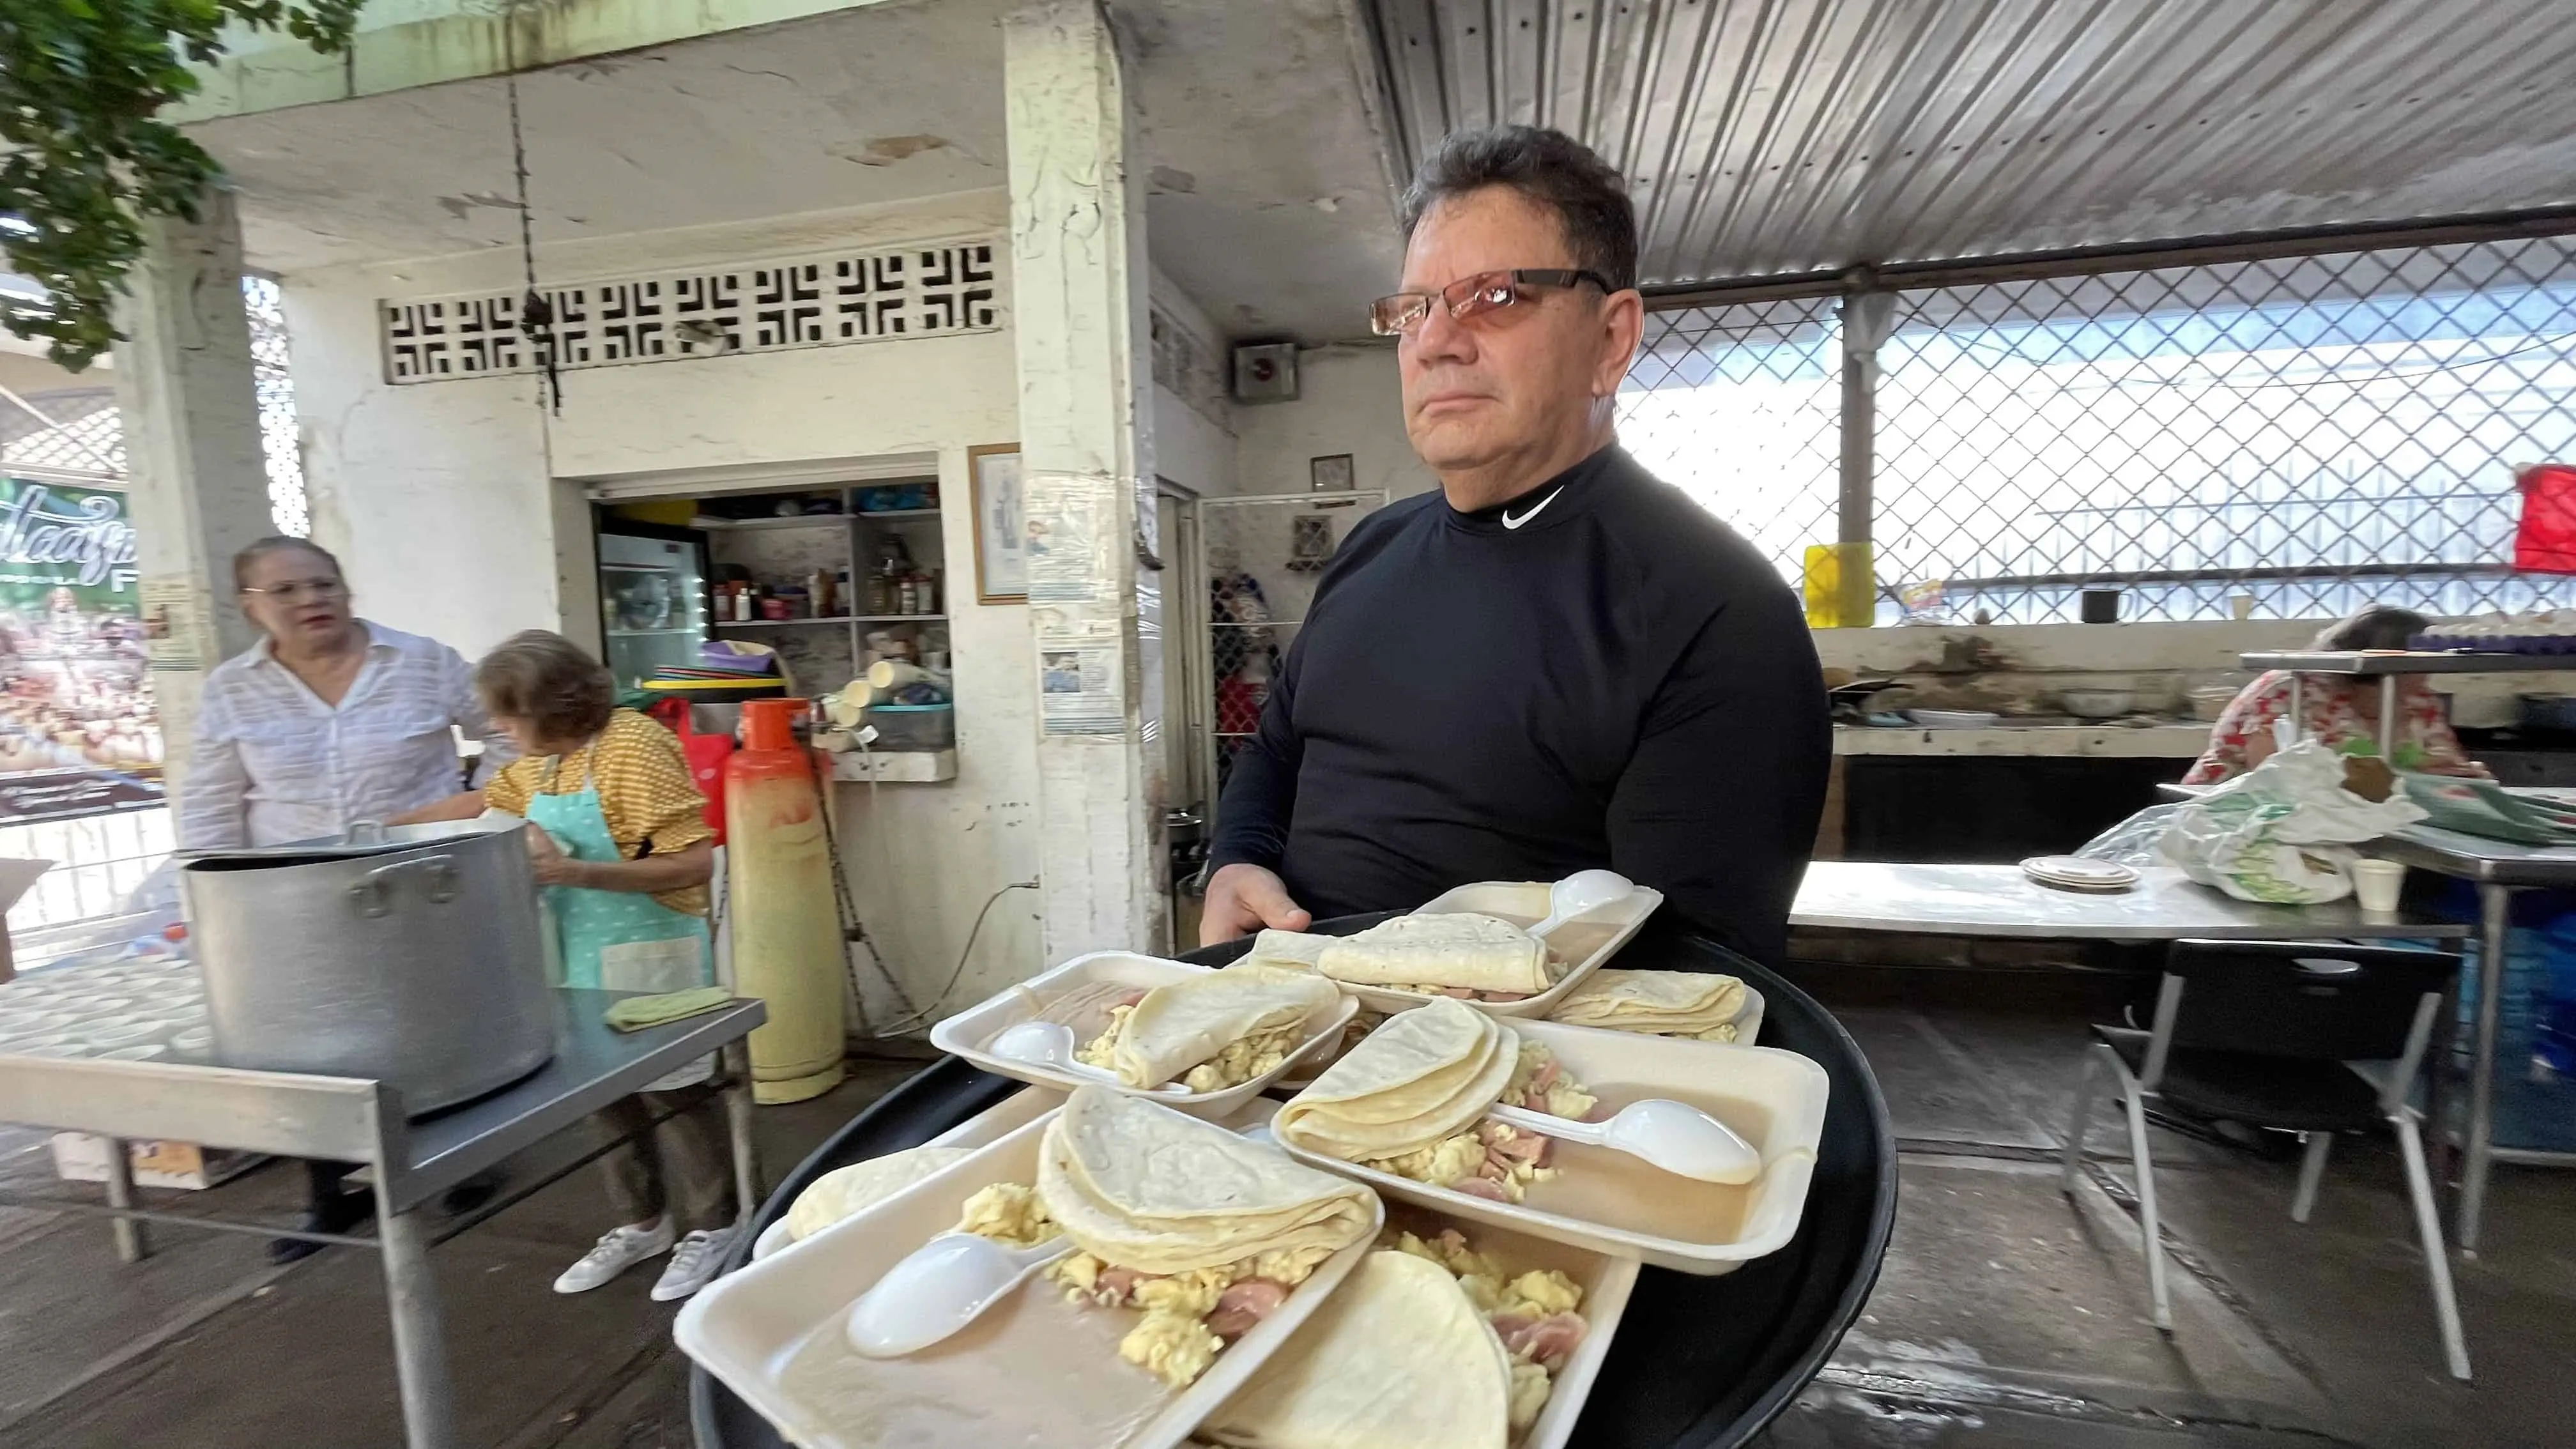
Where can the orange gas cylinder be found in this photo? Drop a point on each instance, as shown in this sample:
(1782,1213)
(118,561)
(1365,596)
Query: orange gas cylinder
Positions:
(787,947)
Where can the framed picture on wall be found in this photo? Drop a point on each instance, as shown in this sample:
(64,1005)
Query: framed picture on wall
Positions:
(1331,473)
(1001,525)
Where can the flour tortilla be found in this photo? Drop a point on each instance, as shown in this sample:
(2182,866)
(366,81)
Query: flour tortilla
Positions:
(844,1193)
(1178,1026)
(1397,1358)
(1141,1186)
(1292,950)
(1462,950)
(1424,1075)
(1687,1002)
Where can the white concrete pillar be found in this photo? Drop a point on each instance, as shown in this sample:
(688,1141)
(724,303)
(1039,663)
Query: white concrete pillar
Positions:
(1080,283)
(197,487)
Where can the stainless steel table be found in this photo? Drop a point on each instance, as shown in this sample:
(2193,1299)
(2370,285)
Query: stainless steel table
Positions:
(1998,900)
(342,1119)
(2497,868)
(2385,666)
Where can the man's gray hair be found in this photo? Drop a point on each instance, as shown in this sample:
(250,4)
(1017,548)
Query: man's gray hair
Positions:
(1550,168)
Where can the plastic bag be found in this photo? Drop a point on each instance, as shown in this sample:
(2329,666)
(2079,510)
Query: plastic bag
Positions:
(2136,841)
(2273,834)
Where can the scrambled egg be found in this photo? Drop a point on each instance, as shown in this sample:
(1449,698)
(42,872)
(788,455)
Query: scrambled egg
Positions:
(1441,1163)
(1565,1096)
(1240,1062)
(1245,1059)
(1171,1339)
(1530,1388)
(1009,1213)
(1100,1050)
(1173,1347)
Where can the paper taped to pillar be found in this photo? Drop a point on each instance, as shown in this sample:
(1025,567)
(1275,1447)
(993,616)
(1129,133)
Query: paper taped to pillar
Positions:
(1073,537)
(1081,673)
(78,731)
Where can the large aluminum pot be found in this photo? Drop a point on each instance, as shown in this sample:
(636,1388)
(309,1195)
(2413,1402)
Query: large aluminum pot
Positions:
(417,962)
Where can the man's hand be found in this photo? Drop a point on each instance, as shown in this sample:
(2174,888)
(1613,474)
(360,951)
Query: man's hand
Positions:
(1243,898)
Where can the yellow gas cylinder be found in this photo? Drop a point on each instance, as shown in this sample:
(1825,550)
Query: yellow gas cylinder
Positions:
(787,944)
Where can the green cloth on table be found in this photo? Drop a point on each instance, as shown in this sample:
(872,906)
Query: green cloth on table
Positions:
(634,1013)
(2481,807)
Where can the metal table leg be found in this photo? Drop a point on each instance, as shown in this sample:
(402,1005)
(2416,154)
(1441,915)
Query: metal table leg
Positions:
(738,1107)
(2388,719)
(2495,921)
(420,1350)
(133,1244)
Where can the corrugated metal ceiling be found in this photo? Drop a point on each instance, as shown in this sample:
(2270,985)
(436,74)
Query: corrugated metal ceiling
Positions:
(1772,137)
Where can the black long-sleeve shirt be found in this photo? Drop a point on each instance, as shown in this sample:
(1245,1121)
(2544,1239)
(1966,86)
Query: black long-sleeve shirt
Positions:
(1595,673)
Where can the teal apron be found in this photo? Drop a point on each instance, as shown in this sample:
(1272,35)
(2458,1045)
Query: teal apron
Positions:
(618,940)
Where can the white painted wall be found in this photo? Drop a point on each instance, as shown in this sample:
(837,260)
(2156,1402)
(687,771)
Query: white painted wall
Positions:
(1349,402)
(441,497)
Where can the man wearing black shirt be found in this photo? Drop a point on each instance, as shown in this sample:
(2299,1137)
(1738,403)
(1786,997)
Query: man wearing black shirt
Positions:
(1554,662)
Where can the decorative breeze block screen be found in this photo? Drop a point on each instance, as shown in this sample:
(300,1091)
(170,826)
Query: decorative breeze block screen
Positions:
(917,291)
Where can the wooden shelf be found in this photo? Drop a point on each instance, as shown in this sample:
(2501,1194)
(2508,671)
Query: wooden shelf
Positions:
(897,513)
(755,525)
(896,767)
(781,623)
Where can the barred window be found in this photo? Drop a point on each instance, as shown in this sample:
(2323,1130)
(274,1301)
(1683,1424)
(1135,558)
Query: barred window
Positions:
(2309,434)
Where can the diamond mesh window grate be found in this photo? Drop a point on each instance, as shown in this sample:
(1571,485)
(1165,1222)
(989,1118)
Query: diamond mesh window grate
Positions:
(280,445)
(84,436)
(2308,434)
(1741,406)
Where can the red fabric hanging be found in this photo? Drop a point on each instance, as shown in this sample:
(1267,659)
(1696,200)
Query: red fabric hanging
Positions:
(2544,542)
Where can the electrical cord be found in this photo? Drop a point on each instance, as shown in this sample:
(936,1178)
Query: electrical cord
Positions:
(963,956)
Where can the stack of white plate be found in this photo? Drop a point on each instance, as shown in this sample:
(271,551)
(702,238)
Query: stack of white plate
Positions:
(129,1009)
(2076,873)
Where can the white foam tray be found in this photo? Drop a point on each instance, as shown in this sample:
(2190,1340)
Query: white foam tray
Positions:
(1035,1371)
(1612,1203)
(983,1129)
(1524,903)
(969,1032)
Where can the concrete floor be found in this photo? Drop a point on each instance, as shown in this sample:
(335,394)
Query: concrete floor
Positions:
(2006,1315)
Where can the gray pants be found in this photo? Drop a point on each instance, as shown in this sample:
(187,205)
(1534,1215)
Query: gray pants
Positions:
(691,1147)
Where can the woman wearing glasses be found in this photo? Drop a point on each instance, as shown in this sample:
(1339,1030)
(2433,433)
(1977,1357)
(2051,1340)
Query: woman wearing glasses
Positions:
(328,720)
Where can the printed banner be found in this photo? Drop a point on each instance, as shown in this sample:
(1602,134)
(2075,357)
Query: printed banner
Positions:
(78,732)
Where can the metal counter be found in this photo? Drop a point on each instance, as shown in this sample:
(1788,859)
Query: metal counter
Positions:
(342,1119)
(1998,900)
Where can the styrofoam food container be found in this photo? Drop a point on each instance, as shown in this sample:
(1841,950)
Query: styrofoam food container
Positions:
(1613,1203)
(1035,1372)
(984,1128)
(1747,1022)
(193,1040)
(104,1033)
(145,1052)
(1524,903)
(1606,1280)
(36,1044)
(969,1032)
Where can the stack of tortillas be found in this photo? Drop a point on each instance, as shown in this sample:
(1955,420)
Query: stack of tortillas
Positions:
(1670,1003)
(1176,1027)
(1142,1186)
(1426,1074)
(843,1193)
(1458,950)
(1397,1356)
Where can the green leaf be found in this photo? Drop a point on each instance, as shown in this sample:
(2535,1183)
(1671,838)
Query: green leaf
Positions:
(84,158)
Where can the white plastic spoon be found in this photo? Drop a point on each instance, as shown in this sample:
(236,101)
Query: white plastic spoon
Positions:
(1675,1136)
(1049,1044)
(1579,893)
(941,1287)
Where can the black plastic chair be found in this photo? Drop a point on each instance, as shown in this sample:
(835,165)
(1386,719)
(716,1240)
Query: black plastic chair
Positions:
(2263,1036)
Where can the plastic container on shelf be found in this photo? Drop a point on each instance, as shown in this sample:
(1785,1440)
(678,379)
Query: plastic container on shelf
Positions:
(913,726)
(786,925)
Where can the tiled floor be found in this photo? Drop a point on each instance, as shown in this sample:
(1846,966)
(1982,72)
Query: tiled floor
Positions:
(2007,1315)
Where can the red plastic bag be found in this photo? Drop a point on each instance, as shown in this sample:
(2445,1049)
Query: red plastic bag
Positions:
(2544,542)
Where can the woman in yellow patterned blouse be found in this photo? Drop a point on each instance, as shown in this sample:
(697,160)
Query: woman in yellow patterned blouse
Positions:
(621,844)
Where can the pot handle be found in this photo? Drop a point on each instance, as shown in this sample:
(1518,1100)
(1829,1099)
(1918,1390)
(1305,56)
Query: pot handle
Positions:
(373,891)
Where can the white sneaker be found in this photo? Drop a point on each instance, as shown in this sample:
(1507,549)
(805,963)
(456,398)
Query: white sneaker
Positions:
(619,1249)
(695,1264)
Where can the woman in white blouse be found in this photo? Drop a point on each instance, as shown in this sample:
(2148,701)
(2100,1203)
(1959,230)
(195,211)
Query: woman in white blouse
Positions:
(327,721)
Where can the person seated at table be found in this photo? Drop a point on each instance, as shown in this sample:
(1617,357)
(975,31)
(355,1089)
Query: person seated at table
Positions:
(620,843)
(2340,709)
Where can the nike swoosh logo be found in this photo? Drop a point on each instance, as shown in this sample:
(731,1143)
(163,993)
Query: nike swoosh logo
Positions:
(1511,522)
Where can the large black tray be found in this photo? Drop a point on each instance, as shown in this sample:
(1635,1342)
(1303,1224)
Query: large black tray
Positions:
(1700,1363)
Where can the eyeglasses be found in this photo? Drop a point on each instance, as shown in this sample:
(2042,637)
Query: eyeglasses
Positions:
(320,591)
(1467,297)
